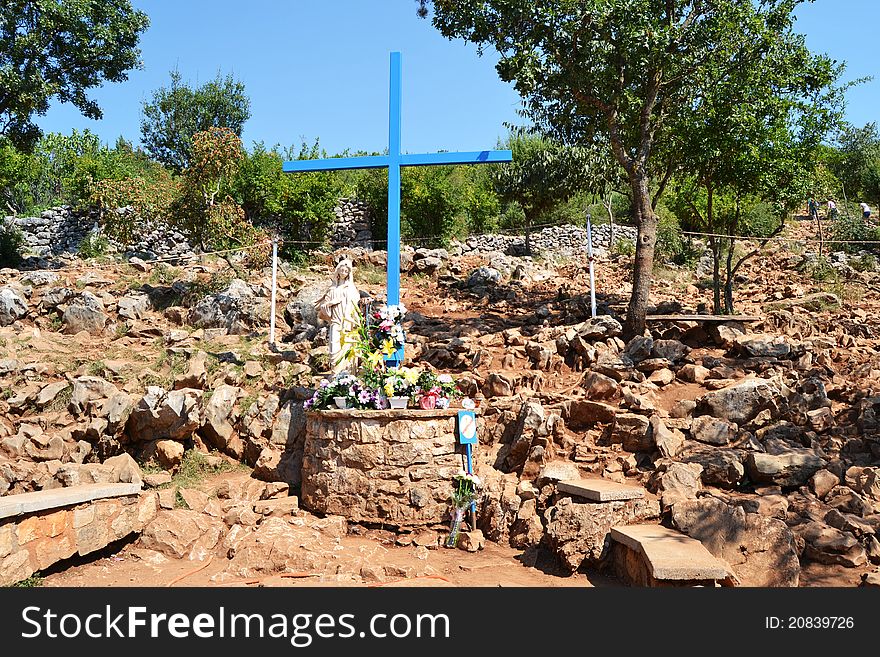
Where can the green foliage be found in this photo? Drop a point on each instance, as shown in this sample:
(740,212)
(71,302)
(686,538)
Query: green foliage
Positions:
(543,174)
(60,49)
(94,246)
(298,207)
(851,227)
(32,582)
(623,248)
(205,209)
(194,468)
(150,194)
(174,115)
(437,203)
(857,162)
(11,244)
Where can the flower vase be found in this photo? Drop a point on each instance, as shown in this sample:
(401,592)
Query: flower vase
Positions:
(398,402)
(341,402)
(428,402)
(455,527)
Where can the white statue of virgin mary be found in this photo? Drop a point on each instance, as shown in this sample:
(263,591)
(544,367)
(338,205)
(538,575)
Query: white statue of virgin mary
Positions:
(339,307)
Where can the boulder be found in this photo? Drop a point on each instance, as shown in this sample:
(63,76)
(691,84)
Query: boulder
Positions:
(599,386)
(302,309)
(760,550)
(124,469)
(822,482)
(599,328)
(281,459)
(133,305)
(579,533)
(675,482)
(237,309)
(169,453)
(669,442)
(56,296)
(740,403)
(86,391)
(161,414)
(721,467)
(791,469)
(483,276)
(763,345)
(182,534)
(85,312)
(831,546)
(671,350)
(712,431)
(633,431)
(639,348)
(693,373)
(196,375)
(217,428)
(12,306)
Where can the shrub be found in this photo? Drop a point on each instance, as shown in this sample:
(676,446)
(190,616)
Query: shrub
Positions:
(11,244)
(94,246)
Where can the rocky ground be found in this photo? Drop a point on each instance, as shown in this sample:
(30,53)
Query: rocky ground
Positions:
(759,438)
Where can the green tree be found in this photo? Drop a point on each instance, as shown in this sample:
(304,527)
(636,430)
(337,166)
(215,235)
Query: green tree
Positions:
(298,207)
(542,175)
(623,73)
(858,162)
(60,49)
(174,114)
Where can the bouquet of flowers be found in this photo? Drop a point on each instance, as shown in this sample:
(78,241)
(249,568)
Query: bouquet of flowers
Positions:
(433,391)
(465,492)
(387,329)
(355,392)
(400,381)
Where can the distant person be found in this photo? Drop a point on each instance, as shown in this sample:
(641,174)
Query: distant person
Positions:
(832,209)
(866,210)
(813,208)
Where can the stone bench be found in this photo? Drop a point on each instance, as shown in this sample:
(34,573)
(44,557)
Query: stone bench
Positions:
(653,555)
(40,529)
(600,490)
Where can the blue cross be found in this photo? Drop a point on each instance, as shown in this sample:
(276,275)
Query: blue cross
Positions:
(394,161)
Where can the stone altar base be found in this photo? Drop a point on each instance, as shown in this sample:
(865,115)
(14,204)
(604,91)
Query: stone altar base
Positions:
(392,467)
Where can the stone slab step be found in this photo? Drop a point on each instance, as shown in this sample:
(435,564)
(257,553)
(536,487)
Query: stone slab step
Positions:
(600,490)
(670,555)
(17,505)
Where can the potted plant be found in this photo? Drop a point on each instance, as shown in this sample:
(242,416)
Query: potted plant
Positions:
(398,385)
(435,391)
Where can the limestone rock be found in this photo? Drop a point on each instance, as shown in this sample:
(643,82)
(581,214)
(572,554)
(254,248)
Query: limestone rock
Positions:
(712,431)
(676,482)
(124,469)
(671,350)
(580,532)
(831,546)
(161,414)
(12,306)
(133,305)
(483,276)
(84,313)
(760,550)
(169,453)
(669,442)
(217,429)
(237,309)
(599,386)
(740,403)
(600,328)
(182,533)
(721,467)
(763,345)
(793,468)
(822,482)
(632,430)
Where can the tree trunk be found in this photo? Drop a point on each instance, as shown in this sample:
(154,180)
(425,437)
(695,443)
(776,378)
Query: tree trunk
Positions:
(715,246)
(728,280)
(646,221)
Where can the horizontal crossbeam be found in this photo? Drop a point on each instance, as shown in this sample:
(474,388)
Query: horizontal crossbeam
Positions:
(406,160)
(336,163)
(474,157)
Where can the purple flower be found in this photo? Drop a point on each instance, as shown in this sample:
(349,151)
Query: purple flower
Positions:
(364,396)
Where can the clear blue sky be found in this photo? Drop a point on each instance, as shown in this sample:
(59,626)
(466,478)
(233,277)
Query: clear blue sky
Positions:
(319,68)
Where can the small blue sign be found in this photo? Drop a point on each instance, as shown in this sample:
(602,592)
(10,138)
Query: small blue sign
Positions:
(467,428)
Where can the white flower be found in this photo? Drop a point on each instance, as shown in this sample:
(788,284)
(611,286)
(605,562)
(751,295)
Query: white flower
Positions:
(444,378)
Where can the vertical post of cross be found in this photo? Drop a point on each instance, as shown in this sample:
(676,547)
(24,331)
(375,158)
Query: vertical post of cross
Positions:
(393,244)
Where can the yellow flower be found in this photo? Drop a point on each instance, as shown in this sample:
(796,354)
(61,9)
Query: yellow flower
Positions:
(410,374)
(389,389)
(374,359)
(388,348)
